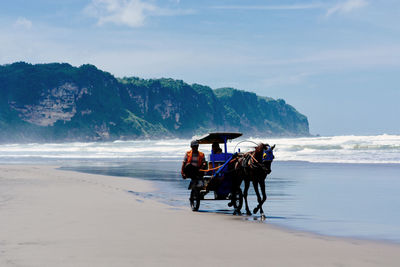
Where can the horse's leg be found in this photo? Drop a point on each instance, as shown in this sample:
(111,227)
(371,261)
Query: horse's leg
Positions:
(235,186)
(246,190)
(264,197)
(255,185)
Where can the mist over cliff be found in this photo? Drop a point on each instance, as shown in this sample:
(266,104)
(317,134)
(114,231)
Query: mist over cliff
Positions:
(58,102)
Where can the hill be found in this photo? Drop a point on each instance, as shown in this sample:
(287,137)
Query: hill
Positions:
(58,102)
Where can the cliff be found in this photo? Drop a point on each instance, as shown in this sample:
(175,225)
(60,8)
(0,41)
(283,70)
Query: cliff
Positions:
(59,102)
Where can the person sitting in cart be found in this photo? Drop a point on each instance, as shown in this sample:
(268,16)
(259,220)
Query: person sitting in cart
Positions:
(215,148)
(193,161)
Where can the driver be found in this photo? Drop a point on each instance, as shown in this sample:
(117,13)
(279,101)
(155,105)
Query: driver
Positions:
(193,161)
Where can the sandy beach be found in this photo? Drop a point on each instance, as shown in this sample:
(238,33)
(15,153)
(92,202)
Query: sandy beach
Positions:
(50,217)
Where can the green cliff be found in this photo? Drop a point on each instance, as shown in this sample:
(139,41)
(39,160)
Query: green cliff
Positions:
(59,102)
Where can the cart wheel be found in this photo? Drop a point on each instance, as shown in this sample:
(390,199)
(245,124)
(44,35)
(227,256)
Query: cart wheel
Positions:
(195,199)
(238,200)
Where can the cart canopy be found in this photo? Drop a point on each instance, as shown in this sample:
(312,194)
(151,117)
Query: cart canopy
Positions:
(220,137)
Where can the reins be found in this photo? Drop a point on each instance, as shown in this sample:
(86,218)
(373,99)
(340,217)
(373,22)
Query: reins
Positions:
(216,168)
(254,157)
(213,169)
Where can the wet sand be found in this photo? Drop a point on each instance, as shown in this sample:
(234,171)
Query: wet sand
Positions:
(50,217)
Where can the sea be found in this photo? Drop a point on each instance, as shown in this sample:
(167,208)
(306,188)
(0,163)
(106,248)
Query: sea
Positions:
(343,186)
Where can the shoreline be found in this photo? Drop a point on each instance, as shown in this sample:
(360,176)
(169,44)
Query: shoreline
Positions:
(52,217)
(252,219)
(244,218)
(350,239)
(272,220)
(65,218)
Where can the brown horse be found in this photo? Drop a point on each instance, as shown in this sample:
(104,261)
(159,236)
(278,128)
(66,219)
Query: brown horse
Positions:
(254,167)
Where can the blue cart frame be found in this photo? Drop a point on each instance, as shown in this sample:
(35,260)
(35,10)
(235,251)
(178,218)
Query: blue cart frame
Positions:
(219,181)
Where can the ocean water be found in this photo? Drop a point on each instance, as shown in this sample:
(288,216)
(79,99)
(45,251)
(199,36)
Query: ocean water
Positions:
(337,149)
(340,186)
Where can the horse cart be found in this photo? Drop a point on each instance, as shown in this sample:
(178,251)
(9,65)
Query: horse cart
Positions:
(218,182)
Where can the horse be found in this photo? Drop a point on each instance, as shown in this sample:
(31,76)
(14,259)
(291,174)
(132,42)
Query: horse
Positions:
(254,167)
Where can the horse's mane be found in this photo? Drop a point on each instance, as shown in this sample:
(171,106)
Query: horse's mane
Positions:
(256,153)
(259,148)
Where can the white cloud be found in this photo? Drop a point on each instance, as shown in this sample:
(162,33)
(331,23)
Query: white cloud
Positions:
(270,7)
(121,12)
(287,79)
(23,23)
(372,57)
(132,13)
(343,7)
(346,7)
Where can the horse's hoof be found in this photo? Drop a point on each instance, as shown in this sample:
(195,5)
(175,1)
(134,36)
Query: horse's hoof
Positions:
(248,213)
(230,204)
(263,217)
(237,212)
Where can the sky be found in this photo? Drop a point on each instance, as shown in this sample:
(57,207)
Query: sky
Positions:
(335,61)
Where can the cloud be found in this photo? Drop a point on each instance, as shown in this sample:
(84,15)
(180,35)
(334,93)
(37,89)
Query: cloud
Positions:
(132,13)
(339,60)
(23,23)
(287,79)
(346,7)
(342,7)
(270,7)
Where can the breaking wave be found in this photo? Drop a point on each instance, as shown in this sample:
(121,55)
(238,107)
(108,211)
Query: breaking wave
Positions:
(335,149)
(340,149)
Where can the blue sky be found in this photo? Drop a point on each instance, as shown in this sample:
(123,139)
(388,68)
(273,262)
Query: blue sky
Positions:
(338,62)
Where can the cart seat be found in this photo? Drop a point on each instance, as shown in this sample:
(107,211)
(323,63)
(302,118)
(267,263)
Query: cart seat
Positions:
(220,157)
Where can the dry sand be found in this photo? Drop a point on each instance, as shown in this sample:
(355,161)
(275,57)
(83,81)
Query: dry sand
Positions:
(50,217)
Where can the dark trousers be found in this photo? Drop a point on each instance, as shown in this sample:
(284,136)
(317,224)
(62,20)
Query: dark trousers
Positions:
(193,173)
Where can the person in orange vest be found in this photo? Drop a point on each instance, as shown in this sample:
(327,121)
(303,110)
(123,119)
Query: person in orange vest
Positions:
(193,161)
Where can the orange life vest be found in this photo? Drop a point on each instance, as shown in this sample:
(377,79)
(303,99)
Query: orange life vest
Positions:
(200,159)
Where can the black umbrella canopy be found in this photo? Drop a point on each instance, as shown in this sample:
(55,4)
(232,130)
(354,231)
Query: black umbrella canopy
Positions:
(219,137)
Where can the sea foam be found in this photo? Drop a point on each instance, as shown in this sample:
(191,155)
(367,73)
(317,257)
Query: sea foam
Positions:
(335,149)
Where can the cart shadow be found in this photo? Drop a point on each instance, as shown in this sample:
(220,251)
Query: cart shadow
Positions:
(243,215)
(219,211)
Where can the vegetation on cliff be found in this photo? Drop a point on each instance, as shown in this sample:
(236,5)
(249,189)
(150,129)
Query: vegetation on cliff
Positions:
(59,102)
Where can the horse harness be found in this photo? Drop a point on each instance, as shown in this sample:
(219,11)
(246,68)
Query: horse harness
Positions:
(249,161)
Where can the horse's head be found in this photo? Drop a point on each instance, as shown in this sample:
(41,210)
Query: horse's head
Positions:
(267,156)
